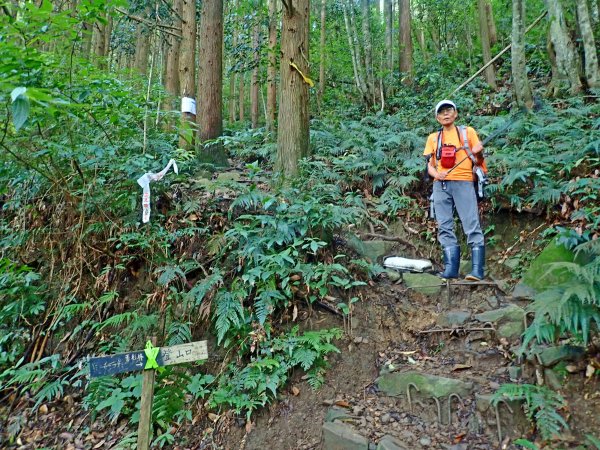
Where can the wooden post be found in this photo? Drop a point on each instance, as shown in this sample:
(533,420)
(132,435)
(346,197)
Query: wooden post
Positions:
(143,441)
(127,362)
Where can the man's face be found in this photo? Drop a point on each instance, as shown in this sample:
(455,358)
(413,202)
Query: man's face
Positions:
(446,115)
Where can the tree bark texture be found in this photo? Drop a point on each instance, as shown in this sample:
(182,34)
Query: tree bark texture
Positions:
(405,41)
(322,53)
(589,45)
(489,12)
(173,51)
(389,34)
(86,42)
(566,59)
(293,132)
(521,84)
(210,80)
(254,106)
(355,53)
(99,44)
(368,48)
(187,69)
(490,73)
(142,49)
(172,56)
(272,67)
(242,96)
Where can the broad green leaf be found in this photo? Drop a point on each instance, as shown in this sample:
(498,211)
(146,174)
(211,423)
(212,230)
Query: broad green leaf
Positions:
(16,92)
(20,111)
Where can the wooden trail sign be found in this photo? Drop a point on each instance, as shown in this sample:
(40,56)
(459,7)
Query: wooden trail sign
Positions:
(133,361)
(162,356)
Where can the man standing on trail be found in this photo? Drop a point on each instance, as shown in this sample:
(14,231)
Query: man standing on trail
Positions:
(452,152)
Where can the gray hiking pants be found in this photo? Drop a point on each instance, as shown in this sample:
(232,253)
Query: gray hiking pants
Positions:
(459,195)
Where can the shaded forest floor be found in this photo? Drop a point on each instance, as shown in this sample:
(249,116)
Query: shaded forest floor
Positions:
(393,329)
(386,331)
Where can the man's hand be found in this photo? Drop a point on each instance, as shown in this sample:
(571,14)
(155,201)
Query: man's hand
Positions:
(478,148)
(441,176)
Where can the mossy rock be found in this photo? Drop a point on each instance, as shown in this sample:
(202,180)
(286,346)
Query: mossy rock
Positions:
(372,250)
(414,280)
(428,385)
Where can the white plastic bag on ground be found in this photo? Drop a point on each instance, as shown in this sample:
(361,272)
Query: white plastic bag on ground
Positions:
(405,264)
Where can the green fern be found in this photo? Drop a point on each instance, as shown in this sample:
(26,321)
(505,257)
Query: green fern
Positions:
(229,312)
(541,406)
(179,333)
(572,307)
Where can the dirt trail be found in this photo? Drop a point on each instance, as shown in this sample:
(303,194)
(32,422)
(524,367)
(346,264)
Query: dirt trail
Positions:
(386,338)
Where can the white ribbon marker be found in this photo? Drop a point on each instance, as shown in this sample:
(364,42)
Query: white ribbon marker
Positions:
(144,182)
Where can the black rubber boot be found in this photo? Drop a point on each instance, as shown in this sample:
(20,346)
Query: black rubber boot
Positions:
(451,262)
(477,263)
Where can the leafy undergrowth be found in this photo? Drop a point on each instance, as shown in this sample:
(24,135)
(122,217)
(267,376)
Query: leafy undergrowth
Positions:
(232,260)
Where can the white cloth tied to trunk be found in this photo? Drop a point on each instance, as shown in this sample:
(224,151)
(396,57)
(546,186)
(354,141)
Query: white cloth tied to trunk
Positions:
(145,180)
(413,265)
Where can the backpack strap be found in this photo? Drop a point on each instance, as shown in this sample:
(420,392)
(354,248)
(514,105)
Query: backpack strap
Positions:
(438,152)
(466,146)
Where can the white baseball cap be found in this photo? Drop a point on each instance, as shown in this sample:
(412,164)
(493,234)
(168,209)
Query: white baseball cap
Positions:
(444,103)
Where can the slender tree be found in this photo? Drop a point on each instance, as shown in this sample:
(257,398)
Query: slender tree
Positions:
(322,53)
(561,51)
(358,65)
(254,107)
(368,49)
(272,67)
(405,40)
(484,33)
(242,96)
(172,53)
(142,49)
(592,75)
(521,85)
(493,33)
(293,133)
(210,81)
(100,39)
(389,34)
(187,68)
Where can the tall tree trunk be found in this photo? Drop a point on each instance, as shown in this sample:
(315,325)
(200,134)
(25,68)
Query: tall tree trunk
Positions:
(405,41)
(210,81)
(489,12)
(490,73)
(322,54)
(86,39)
(357,64)
(589,46)
(242,96)
(173,51)
(187,70)
(99,44)
(272,67)
(293,131)
(521,84)
(107,39)
(232,74)
(566,59)
(420,35)
(389,34)
(142,49)
(232,98)
(254,106)
(368,47)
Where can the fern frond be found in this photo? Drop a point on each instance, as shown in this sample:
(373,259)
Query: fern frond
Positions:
(179,333)
(229,312)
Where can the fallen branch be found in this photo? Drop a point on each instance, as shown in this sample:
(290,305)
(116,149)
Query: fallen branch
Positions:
(383,237)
